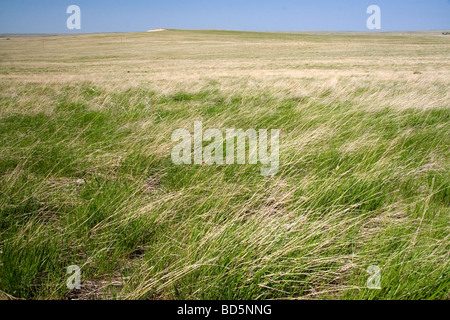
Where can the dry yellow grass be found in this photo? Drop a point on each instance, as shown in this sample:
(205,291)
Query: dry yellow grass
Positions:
(377,66)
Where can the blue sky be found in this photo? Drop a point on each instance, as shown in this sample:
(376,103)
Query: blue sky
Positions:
(49,16)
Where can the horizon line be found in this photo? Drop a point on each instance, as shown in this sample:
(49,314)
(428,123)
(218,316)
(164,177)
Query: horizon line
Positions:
(227,30)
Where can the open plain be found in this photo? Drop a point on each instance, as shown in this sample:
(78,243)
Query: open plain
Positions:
(86,176)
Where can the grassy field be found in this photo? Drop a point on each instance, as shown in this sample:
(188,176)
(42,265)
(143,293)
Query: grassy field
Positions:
(86,176)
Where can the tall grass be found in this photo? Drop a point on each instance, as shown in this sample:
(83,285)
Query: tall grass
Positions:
(86,176)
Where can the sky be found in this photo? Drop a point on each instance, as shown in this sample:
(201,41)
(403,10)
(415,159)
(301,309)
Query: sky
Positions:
(49,16)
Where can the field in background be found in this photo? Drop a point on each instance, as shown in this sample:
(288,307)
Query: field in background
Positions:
(86,176)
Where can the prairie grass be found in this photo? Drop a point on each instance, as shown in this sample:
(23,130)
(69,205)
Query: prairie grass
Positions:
(86,176)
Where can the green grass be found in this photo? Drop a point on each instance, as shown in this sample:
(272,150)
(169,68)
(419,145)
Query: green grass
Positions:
(209,223)
(87,179)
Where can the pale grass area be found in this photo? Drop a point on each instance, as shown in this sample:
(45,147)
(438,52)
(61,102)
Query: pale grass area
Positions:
(415,65)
